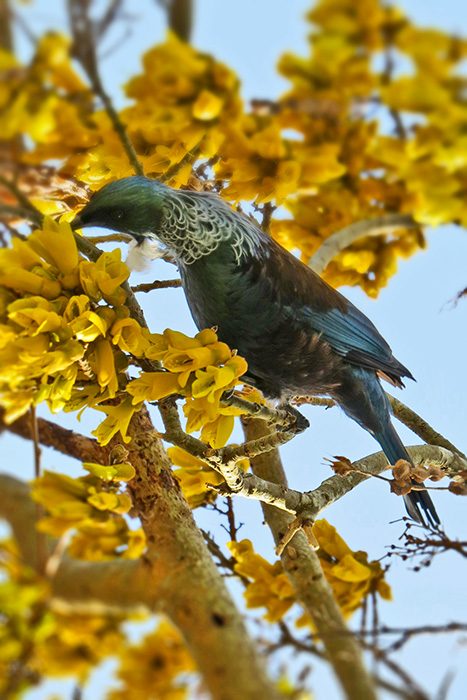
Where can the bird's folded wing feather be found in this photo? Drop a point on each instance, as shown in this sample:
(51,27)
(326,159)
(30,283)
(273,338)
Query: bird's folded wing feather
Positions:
(312,301)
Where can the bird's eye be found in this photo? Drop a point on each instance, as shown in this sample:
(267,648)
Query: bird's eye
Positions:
(118,214)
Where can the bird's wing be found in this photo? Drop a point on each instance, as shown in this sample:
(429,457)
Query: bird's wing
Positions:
(352,335)
(349,332)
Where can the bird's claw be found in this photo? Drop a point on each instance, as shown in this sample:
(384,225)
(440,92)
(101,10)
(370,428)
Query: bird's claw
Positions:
(294,420)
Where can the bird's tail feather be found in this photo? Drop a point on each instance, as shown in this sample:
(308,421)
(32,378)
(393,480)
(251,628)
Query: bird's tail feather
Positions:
(418,504)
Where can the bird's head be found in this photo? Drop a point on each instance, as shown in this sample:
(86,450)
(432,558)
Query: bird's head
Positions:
(131,205)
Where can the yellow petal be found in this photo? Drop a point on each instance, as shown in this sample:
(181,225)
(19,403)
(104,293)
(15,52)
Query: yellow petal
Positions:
(208,106)
(153,386)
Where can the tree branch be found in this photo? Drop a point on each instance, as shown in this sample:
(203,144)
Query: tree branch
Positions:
(188,584)
(179,16)
(360,229)
(302,566)
(124,584)
(420,427)
(84,49)
(177,576)
(402,412)
(66,441)
(157,284)
(309,504)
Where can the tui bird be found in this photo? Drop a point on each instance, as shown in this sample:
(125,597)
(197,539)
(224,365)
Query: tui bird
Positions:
(299,335)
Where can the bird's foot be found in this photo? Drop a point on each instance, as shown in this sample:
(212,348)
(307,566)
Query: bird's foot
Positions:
(293,420)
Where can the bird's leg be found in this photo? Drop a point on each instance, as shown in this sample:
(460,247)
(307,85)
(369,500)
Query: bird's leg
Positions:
(284,418)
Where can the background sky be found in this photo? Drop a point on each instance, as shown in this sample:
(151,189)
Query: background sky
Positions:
(413,313)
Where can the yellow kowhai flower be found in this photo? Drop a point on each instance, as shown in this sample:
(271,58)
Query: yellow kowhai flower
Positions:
(117,421)
(201,411)
(16,403)
(64,499)
(350,574)
(58,393)
(28,358)
(35,315)
(76,643)
(174,341)
(56,244)
(94,508)
(54,59)
(160,662)
(180,341)
(92,324)
(130,336)
(19,255)
(196,477)
(111,472)
(320,164)
(269,586)
(28,281)
(153,386)
(210,381)
(197,486)
(207,106)
(103,363)
(186,361)
(158,346)
(107,539)
(217,432)
(102,279)
(114,502)
(7,335)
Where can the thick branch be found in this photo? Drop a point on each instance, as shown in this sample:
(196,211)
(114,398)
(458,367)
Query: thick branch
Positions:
(177,576)
(180,16)
(61,439)
(360,229)
(302,566)
(124,584)
(336,487)
(6,39)
(310,503)
(187,581)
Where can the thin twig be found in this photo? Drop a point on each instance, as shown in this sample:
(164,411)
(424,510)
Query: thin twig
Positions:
(41,543)
(84,50)
(277,416)
(110,14)
(402,412)
(189,157)
(420,427)
(110,238)
(388,72)
(157,284)
(360,229)
(408,692)
(20,197)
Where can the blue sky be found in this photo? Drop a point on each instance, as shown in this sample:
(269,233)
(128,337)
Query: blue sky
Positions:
(412,313)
